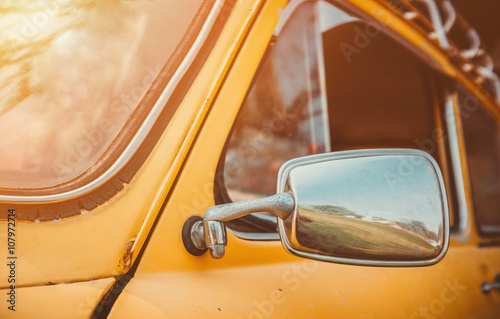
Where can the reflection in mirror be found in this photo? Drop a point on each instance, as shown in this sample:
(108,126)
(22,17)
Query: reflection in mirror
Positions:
(386,208)
(346,233)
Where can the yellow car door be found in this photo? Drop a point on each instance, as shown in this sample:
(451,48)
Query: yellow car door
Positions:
(201,104)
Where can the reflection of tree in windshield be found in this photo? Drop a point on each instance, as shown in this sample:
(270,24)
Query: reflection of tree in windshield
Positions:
(30,28)
(61,66)
(283,115)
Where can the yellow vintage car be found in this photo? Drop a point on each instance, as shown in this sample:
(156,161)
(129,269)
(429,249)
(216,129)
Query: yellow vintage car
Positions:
(247,159)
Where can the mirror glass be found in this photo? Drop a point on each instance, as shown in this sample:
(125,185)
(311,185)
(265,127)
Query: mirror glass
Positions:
(380,207)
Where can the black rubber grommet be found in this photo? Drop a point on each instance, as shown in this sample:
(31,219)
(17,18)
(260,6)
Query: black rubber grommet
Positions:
(186,236)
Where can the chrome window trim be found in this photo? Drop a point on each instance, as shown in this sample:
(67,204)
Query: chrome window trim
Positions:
(145,128)
(451,126)
(255,236)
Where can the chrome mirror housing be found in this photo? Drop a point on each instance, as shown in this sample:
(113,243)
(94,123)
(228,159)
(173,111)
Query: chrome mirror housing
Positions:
(384,207)
(369,207)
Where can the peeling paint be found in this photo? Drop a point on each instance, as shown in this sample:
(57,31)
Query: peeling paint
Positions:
(127,257)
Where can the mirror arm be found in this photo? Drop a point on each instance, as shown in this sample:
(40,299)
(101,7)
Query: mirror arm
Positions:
(211,232)
(281,205)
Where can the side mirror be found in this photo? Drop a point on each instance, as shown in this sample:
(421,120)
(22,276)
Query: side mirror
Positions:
(374,207)
(384,207)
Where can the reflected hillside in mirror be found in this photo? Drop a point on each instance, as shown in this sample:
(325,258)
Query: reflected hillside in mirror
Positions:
(342,232)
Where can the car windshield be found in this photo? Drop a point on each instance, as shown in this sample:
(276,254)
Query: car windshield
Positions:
(71,74)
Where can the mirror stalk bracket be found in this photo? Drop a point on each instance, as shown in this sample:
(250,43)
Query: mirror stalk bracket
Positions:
(211,231)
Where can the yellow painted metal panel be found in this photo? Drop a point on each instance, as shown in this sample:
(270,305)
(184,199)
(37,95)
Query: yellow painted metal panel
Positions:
(309,289)
(63,301)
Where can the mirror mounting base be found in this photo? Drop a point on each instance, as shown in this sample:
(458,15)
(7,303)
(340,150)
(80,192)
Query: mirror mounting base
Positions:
(199,234)
(187,240)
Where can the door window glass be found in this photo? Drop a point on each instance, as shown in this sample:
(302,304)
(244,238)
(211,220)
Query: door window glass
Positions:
(284,115)
(482,142)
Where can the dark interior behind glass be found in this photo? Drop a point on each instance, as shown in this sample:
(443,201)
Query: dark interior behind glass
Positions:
(482,142)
